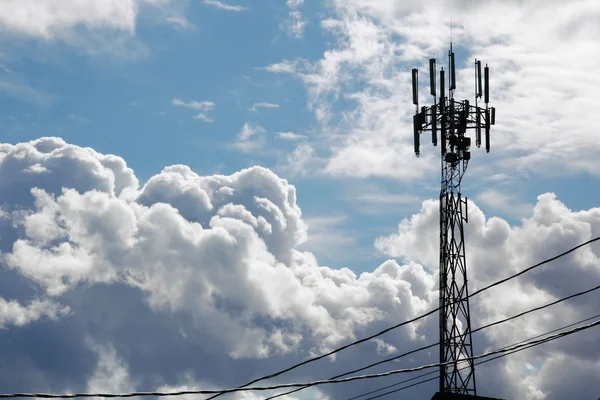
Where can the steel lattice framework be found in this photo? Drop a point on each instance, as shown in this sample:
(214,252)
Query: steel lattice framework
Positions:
(452,119)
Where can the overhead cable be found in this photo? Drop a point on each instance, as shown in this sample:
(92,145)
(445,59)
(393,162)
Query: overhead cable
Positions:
(479,363)
(437,343)
(412,320)
(290,385)
(536,309)
(359,369)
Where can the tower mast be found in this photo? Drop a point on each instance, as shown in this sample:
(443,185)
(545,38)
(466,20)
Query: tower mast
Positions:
(452,118)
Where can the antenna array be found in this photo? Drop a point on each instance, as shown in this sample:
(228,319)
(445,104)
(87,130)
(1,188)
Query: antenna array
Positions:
(452,119)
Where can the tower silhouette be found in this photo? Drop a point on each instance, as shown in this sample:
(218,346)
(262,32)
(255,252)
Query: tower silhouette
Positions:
(452,118)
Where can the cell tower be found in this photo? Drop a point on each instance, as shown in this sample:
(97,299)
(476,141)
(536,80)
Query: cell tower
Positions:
(452,119)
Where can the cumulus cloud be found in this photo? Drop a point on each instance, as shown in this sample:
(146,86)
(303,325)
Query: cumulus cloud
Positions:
(494,251)
(197,280)
(191,249)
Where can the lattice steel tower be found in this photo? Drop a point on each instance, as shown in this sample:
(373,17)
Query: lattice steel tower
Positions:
(452,119)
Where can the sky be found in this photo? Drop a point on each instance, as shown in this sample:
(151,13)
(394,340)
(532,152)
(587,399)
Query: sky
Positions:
(195,193)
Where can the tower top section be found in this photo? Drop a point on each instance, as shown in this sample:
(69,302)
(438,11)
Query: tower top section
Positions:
(453,117)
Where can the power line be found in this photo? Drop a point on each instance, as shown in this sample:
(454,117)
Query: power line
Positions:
(409,386)
(290,385)
(535,266)
(508,319)
(412,320)
(436,344)
(334,351)
(359,369)
(396,384)
(433,372)
(479,363)
(536,309)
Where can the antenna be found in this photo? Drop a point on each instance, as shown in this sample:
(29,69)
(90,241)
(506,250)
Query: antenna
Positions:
(415,86)
(442,87)
(478,75)
(487,84)
(478,128)
(487,131)
(432,76)
(442,108)
(493,117)
(434,125)
(417,128)
(452,70)
(452,124)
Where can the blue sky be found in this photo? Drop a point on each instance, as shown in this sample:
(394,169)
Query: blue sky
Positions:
(318,93)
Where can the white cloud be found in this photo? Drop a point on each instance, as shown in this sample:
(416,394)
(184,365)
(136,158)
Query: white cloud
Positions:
(196,105)
(295,23)
(256,106)
(251,138)
(294,3)
(203,106)
(218,248)
(290,136)
(222,6)
(378,42)
(180,22)
(48,19)
(13,313)
(494,251)
(302,161)
(285,66)
(203,117)
(507,203)
(141,266)
(111,374)
(364,142)
(384,348)
(110,25)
